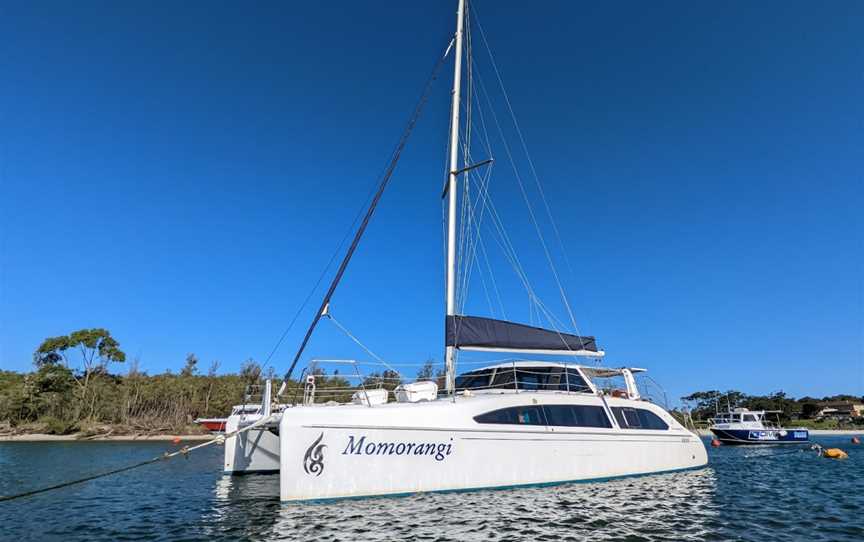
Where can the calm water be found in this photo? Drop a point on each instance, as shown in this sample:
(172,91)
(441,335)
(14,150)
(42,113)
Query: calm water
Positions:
(742,495)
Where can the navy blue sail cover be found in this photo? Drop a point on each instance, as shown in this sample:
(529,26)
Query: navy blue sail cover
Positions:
(477,332)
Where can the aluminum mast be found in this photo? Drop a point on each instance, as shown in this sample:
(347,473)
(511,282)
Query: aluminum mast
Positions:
(450,352)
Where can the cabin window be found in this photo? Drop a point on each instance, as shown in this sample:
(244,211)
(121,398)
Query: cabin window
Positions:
(576,416)
(638,418)
(627,418)
(531,380)
(473,381)
(503,379)
(577,383)
(525,378)
(498,378)
(749,418)
(524,415)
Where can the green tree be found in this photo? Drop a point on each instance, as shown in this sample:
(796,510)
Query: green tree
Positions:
(250,371)
(97,348)
(94,350)
(191,366)
(703,403)
(427,372)
(809,409)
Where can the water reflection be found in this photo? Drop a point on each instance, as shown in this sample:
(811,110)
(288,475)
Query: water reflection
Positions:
(656,505)
(243,506)
(258,486)
(746,494)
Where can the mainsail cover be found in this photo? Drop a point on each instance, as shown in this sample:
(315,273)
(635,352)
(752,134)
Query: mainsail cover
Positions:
(477,333)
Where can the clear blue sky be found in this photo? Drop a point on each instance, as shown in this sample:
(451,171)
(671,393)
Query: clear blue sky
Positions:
(179,173)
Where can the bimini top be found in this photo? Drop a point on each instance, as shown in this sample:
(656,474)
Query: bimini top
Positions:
(490,335)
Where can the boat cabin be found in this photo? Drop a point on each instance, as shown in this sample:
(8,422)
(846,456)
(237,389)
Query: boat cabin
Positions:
(743,418)
(544,376)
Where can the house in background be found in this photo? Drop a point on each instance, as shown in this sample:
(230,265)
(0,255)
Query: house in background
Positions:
(840,410)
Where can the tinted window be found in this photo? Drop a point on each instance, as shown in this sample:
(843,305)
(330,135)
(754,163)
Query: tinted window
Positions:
(749,418)
(576,416)
(630,418)
(504,379)
(473,380)
(638,418)
(576,382)
(486,379)
(528,378)
(633,418)
(651,421)
(526,415)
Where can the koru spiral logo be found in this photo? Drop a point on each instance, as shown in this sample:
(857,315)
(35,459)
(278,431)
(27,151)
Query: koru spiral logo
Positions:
(313,461)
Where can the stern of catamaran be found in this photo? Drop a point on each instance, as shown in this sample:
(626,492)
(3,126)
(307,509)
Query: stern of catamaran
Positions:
(255,450)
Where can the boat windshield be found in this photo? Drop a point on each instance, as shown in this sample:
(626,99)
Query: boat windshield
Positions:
(523,378)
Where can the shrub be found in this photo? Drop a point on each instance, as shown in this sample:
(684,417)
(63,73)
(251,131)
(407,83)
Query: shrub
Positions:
(56,426)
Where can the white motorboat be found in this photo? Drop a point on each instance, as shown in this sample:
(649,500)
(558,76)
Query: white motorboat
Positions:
(520,422)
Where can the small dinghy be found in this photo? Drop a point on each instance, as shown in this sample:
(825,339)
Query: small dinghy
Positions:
(246,410)
(214,425)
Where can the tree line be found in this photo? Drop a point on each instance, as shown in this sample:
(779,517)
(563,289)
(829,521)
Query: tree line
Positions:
(705,404)
(73,390)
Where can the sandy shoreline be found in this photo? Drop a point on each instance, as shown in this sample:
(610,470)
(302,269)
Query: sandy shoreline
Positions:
(38,437)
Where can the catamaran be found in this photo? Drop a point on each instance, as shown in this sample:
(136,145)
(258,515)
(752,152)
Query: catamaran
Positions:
(507,423)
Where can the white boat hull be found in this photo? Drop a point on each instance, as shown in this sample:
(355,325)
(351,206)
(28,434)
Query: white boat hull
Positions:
(253,451)
(398,449)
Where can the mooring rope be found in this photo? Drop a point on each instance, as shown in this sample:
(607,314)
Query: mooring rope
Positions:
(185,451)
(787,452)
(803,447)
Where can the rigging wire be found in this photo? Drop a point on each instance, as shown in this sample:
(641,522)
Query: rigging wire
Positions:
(536,224)
(362,228)
(536,178)
(484,183)
(504,241)
(464,225)
(338,247)
(360,344)
(311,293)
(477,238)
(533,295)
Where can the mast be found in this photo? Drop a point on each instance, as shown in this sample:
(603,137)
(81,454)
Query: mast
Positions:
(450,351)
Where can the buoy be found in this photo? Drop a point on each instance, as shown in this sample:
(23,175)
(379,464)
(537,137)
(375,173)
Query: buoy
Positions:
(715,443)
(834,453)
(856,440)
(176,440)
